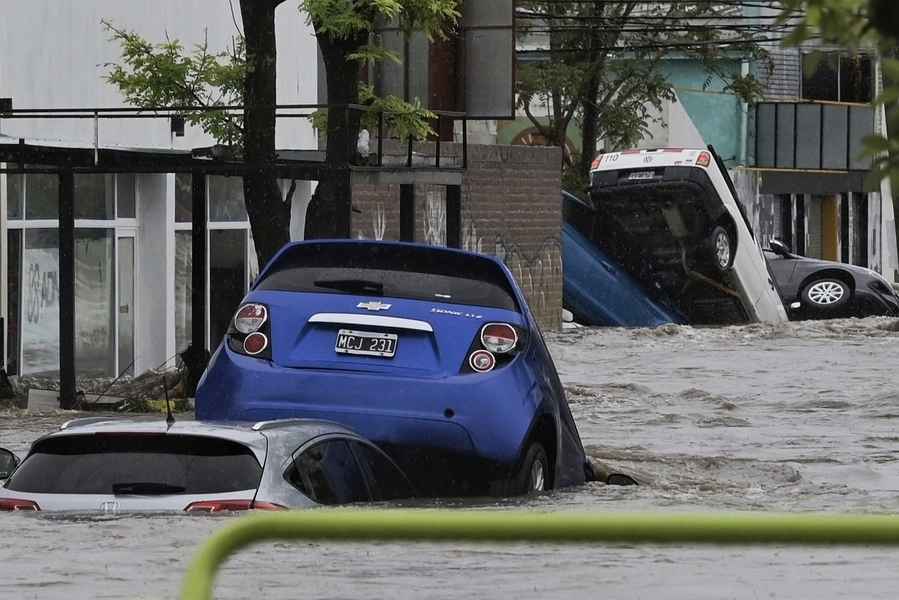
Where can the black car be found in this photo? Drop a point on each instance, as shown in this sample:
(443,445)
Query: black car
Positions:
(812,288)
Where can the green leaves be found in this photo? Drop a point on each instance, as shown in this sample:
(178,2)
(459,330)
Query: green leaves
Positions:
(402,119)
(341,19)
(164,75)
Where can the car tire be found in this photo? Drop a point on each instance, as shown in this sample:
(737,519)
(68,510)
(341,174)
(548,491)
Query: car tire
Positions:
(721,249)
(827,294)
(534,471)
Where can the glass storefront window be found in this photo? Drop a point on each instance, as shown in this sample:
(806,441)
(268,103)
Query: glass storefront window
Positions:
(94,195)
(94,299)
(183,198)
(183,265)
(226,199)
(42,196)
(227,279)
(14,193)
(125,204)
(40,302)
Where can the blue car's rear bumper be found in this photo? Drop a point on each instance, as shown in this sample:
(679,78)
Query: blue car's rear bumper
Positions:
(483,416)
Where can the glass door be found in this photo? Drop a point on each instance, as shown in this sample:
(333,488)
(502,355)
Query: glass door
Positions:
(126,305)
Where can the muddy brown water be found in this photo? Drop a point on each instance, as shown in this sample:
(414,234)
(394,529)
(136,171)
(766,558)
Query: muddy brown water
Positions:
(795,417)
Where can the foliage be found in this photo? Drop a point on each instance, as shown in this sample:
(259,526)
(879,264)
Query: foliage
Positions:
(599,64)
(341,19)
(163,75)
(857,24)
(402,119)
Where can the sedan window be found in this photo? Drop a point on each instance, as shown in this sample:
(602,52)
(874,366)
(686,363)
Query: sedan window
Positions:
(385,479)
(328,474)
(136,464)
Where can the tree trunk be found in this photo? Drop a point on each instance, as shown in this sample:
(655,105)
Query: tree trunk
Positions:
(269,213)
(589,127)
(590,124)
(330,210)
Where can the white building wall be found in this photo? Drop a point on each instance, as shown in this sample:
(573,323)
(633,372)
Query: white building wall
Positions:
(53,54)
(155,261)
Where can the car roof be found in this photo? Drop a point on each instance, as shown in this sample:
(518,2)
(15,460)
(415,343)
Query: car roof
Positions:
(361,243)
(243,432)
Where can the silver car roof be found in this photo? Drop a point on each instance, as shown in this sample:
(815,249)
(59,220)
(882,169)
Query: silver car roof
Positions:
(257,436)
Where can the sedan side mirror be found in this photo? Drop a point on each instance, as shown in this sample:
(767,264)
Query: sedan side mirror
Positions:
(780,248)
(8,463)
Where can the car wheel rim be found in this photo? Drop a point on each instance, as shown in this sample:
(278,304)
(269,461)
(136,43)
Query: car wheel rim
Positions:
(826,293)
(537,476)
(722,249)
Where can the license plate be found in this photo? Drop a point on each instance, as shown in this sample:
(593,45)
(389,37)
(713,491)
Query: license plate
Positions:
(642,175)
(366,343)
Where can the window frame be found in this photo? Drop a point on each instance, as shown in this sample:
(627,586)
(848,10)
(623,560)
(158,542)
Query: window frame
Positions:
(124,227)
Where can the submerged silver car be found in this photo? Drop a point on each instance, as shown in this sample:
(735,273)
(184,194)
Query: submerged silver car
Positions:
(123,465)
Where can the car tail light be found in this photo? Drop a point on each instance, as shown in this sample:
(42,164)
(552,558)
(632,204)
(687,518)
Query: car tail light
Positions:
(214,506)
(250,332)
(481,361)
(250,317)
(15,504)
(499,338)
(704,159)
(255,343)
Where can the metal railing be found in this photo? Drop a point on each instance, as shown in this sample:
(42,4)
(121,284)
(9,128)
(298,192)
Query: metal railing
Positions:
(564,528)
(282,111)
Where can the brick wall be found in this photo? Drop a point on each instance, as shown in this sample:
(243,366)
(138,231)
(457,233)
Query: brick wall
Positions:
(510,209)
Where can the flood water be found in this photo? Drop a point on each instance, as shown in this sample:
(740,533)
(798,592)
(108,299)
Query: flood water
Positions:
(793,417)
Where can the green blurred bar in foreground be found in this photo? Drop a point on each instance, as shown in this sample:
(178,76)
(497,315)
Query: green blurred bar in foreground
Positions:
(560,528)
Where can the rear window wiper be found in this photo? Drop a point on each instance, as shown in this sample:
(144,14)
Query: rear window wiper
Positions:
(146,488)
(353,285)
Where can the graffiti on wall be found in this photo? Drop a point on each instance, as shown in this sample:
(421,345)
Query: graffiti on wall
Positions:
(535,270)
(435,219)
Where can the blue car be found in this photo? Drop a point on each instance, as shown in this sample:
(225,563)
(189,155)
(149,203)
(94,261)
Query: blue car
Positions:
(431,353)
(597,290)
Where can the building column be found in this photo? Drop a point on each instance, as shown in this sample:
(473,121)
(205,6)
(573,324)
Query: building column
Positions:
(154,283)
(67,400)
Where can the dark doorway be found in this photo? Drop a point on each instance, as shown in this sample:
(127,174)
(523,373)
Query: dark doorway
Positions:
(844,229)
(227,279)
(786,219)
(800,224)
(861,226)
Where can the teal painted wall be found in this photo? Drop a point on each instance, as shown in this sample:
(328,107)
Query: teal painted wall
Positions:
(715,113)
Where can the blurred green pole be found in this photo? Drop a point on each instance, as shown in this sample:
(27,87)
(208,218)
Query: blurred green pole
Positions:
(559,528)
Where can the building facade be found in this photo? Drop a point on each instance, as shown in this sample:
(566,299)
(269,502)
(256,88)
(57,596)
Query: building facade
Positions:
(132,230)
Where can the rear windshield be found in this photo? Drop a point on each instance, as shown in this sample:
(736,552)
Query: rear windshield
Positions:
(143,465)
(394,271)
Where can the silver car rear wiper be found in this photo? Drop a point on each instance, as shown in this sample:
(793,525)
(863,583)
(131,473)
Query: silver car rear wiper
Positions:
(146,488)
(353,285)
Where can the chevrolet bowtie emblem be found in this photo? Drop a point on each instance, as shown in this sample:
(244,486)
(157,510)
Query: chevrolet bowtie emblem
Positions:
(375,306)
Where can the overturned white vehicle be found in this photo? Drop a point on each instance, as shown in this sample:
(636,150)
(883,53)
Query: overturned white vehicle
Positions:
(672,219)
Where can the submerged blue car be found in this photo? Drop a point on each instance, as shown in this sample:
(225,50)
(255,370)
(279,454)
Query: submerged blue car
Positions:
(431,353)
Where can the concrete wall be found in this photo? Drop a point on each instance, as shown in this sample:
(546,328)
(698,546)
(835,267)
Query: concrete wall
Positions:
(510,209)
(53,54)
